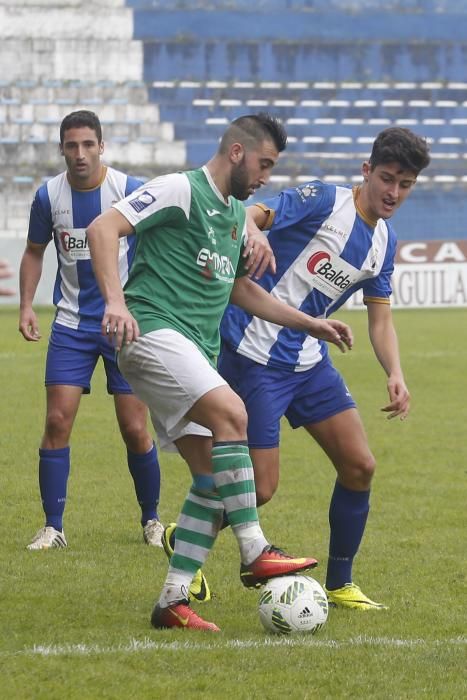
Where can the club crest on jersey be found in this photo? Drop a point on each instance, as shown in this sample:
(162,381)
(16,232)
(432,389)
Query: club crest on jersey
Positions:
(234,233)
(142,201)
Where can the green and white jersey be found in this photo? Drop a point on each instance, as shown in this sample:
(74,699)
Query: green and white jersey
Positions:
(188,254)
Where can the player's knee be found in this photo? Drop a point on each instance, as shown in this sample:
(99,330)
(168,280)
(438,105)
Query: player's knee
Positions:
(367,468)
(230,423)
(359,473)
(136,436)
(238,418)
(58,426)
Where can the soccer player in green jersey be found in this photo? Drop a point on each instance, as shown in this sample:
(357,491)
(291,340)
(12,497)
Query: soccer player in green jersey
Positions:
(189,263)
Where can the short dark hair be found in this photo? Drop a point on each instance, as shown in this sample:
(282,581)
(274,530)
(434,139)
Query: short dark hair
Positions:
(252,129)
(398,145)
(83,117)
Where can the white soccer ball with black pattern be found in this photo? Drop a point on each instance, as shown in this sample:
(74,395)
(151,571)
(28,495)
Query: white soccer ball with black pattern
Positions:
(291,604)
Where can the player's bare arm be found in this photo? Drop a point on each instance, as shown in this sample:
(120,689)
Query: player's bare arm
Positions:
(383,338)
(257,301)
(258,252)
(30,272)
(103,238)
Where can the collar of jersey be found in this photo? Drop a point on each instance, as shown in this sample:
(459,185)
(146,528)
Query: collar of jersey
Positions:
(214,187)
(90,189)
(360,212)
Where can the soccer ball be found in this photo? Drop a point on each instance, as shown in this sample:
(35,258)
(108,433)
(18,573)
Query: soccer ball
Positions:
(293,604)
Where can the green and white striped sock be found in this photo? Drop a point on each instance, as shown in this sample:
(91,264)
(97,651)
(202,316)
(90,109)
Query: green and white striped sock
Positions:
(197,529)
(235,483)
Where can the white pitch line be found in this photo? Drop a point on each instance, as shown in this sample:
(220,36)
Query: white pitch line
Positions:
(146,644)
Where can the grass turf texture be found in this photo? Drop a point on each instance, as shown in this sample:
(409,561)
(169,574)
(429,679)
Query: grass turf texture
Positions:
(75,622)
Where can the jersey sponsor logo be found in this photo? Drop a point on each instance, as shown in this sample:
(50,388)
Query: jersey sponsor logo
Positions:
(75,244)
(142,201)
(215,265)
(212,212)
(331,275)
(315,259)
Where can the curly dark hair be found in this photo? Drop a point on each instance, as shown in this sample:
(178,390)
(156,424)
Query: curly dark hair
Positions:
(398,145)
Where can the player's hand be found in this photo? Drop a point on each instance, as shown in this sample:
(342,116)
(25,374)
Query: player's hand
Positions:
(119,326)
(28,325)
(399,398)
(333,331)
(258,253)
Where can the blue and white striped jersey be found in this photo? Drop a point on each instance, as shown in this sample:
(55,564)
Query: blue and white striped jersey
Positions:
(63,213)
(325,251)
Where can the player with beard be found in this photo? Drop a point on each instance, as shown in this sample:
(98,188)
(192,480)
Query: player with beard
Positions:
(189,261)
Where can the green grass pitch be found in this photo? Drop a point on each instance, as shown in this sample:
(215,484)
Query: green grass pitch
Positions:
(75,622)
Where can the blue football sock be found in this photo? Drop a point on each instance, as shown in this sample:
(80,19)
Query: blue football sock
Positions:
(146,475)
(348,512)
(54,468)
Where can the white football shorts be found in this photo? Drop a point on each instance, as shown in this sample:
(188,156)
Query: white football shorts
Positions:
(169,374)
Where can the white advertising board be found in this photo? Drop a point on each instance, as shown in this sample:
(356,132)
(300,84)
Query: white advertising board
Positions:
(427,274)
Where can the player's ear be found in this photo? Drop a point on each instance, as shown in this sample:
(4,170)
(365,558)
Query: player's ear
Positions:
(236,153)
(101,148)
(366,170)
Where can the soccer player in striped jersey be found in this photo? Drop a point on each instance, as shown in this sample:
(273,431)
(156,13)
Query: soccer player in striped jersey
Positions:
(61,210)
(329,241)
(189,260)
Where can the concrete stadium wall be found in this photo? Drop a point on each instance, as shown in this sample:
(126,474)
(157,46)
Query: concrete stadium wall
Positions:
(58,56)
(62,40)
